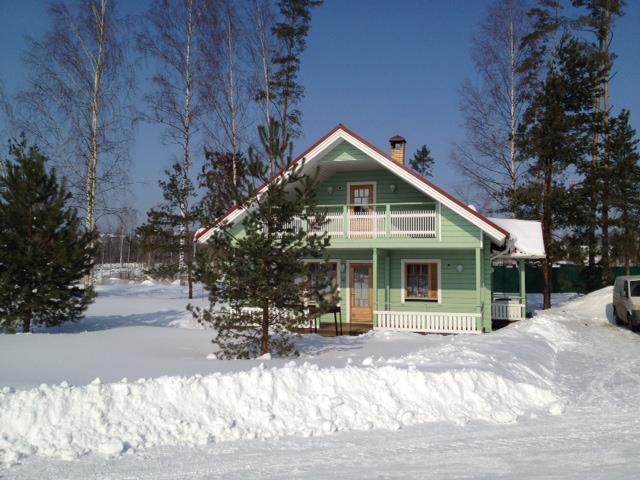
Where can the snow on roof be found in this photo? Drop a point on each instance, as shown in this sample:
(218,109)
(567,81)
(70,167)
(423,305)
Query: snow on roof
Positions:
(526,237)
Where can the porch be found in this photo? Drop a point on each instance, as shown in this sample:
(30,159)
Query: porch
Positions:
(430,290)
(380,290)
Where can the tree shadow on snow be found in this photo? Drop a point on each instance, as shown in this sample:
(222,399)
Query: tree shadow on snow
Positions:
(163,318)
(313,344)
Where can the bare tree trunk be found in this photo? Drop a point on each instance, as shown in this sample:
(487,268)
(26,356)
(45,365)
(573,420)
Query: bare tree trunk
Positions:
(547,228)
(605,166)
(513,118)
(264,347)
(186,152)
(493,105)
(92,168)
(262,17)
(233,108)
(121,249)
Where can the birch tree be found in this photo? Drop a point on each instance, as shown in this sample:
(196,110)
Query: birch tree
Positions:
(261,48)
(493,107)
(170,39)
(279,41)
(227,90)
(75,102)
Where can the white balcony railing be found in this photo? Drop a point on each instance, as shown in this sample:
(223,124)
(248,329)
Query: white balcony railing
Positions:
(377,221)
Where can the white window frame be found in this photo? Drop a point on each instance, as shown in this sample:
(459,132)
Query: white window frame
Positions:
(375,192)
(403,276)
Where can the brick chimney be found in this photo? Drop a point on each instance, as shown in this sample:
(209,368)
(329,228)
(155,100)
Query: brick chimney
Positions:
(398,144)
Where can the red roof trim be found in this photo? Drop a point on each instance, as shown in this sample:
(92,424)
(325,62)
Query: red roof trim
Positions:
(298,159)
(385,156)
(427,182)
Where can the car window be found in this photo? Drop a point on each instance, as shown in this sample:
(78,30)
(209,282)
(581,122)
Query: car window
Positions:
(635,288)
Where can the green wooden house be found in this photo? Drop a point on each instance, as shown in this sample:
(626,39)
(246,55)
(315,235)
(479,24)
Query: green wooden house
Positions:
(407,255)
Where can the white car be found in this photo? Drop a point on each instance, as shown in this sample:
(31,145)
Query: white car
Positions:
(626,301)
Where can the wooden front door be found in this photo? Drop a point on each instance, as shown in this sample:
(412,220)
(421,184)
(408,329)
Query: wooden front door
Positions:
(361,292)
(362,201)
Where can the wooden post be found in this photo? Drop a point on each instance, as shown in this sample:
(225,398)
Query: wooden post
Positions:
(479,286)
(387,281)
(523,288)
(345,221)
(375,284)
(387,221)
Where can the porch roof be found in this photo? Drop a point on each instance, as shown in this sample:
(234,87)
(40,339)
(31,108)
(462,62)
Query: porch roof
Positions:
(525,238)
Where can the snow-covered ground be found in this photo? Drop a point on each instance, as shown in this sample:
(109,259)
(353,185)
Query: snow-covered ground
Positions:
(556,395)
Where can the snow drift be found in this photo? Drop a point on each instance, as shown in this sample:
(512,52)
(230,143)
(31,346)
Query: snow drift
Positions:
(492,378)
(262,403)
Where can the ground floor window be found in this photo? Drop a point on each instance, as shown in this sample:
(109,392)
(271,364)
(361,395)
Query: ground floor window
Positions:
(332,269)
(421,278)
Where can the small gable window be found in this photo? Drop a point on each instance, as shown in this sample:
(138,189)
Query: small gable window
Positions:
(421,280)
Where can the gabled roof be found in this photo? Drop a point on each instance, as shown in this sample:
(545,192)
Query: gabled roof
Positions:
(342,133)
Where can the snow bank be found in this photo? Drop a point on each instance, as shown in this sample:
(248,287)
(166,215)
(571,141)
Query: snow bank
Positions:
(67,422)
(380,380)
(297,399)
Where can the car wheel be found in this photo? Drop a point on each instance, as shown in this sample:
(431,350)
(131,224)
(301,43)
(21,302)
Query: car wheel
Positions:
(632,326)
(616,317)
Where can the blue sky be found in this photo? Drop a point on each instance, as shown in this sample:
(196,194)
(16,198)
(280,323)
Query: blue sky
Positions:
(379,67)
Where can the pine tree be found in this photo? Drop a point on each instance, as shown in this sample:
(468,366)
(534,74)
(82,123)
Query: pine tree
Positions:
(260,279)
(44,253)
(554,138)
(624,177)
(600,20)
(221,192)
(422,162)
(282,88)
(171,224)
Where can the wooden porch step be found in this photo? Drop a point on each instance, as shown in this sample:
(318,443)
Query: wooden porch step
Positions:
(329,329)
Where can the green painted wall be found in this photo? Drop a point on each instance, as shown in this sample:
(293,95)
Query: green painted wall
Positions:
(456,245)
(458,288)
(455,230)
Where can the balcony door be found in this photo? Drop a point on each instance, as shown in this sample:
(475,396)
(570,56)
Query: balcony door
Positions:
(361,292)
(362,208)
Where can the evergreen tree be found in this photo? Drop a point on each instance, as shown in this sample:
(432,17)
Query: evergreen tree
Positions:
(600,20)
(44,254)
(422,162)
(216,179)
(624,176)
(260,279)
(554,138)
(171,224)
(284,90)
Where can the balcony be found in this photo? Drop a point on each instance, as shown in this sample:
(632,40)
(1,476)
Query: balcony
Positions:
(389,220)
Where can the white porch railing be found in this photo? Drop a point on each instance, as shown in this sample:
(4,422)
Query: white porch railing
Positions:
(508,311)
(431,322)
(378,221)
